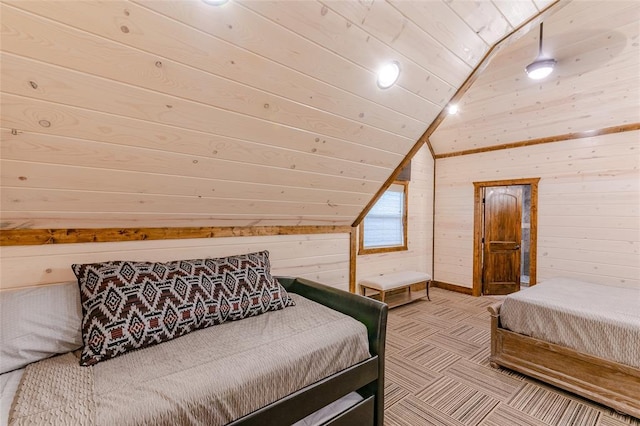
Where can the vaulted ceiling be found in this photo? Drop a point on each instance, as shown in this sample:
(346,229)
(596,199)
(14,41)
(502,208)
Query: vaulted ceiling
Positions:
(595,84)
(178,113)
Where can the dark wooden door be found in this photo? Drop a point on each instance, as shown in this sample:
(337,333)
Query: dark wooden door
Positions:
(502,235)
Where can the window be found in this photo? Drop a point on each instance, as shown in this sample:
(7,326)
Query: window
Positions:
(384,228)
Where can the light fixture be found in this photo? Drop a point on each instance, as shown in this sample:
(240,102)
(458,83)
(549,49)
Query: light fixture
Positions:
(452,109)
(215,2)
(541,67)
(388,74)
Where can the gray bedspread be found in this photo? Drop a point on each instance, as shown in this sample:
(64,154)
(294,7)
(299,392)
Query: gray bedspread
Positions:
(595,319)
(211,376)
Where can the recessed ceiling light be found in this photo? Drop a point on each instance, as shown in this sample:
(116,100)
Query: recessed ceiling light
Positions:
(452,109)
(215,2)
(388,74)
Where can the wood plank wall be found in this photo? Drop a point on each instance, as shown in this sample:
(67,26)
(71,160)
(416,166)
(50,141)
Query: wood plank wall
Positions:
(320,257)
(420,229)
(589,214)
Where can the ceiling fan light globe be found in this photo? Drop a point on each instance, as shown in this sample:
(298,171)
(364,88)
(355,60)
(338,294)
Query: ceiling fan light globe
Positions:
(540,68)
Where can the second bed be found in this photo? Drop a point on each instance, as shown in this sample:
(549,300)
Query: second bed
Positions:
(579,336)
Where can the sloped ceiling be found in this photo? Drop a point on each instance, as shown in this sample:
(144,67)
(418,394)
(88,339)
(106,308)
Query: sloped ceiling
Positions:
(595,84)
(177,113)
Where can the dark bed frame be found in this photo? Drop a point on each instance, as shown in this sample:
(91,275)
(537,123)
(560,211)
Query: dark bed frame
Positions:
(366,377)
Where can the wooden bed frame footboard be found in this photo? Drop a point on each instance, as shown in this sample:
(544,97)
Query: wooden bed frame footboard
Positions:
(366,377)
(609,383)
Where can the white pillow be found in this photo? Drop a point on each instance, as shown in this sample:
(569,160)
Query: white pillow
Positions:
(38,322)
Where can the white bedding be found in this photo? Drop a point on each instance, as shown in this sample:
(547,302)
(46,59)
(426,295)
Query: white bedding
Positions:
(595,319)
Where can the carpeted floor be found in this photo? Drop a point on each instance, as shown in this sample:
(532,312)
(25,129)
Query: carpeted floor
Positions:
(437,373)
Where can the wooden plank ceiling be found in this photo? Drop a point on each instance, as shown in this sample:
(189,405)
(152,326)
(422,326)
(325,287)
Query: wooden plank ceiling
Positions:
(178,113)
(595,84)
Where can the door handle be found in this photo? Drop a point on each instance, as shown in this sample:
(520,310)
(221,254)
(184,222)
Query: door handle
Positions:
(517,247)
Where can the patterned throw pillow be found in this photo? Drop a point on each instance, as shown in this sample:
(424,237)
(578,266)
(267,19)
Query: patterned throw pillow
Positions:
(130,305)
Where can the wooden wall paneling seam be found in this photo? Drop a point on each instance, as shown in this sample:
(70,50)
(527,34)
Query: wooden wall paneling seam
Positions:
(322,257)
(357,45)
(176,112)
(484,18)
(457,96)
(71,87)
(62,85)
(178,44)
(541,4)
(549,139)
(382,20)
(16,199)
(288,48)
(615,222)
(25,114)
(45,148)
(443,24)
(601,270)
(617,249)
(515,11)
(615,259)
(599,234)
(13,237)
(24,174)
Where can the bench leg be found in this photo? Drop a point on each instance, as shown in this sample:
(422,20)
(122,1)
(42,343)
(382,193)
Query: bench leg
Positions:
(427,287)
(382,296)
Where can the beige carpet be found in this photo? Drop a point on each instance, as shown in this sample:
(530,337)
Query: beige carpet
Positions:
(438,373)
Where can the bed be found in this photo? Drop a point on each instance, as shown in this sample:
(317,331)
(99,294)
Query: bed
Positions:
(352,394)
(578,336)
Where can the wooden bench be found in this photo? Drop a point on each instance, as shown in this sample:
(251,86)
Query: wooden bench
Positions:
(388,282)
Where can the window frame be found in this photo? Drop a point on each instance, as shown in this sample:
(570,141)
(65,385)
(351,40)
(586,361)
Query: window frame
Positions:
(364,250)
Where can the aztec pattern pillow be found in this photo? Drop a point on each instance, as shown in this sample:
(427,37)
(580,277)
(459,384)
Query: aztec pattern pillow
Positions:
(131,305)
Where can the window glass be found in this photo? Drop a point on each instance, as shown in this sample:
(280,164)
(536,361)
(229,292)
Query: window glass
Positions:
(384,226)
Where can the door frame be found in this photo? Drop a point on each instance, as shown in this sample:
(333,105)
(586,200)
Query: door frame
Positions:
(478,225)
